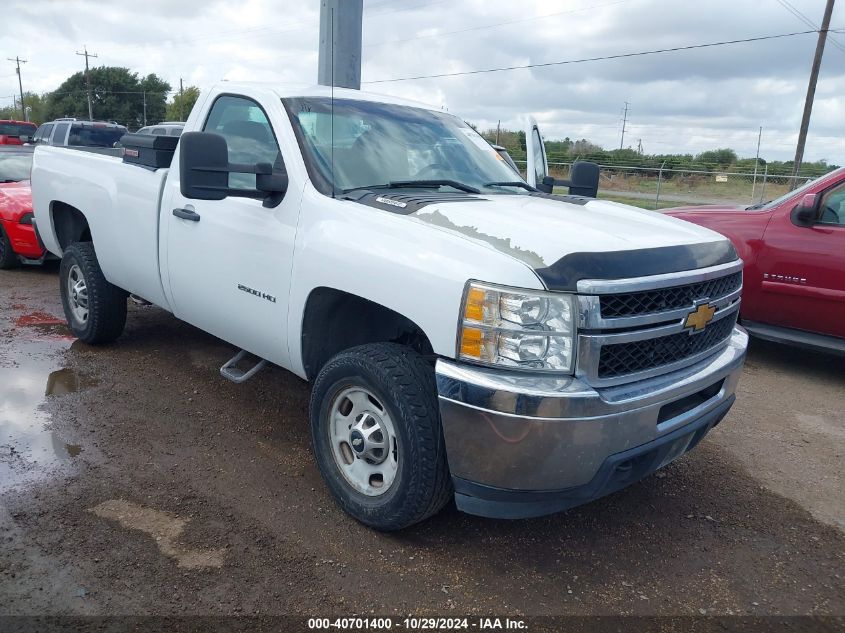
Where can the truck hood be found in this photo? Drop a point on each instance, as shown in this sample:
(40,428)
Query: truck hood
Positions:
(565,239)
(15,199)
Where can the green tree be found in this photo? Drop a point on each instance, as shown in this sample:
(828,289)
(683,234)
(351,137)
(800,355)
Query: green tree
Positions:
(116,95)
(180,107)
(722,157)
(32,100)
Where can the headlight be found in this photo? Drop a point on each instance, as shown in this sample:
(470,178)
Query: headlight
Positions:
(517,328)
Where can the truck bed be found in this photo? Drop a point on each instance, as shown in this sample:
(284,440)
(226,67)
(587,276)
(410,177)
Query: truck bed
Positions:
(121,202)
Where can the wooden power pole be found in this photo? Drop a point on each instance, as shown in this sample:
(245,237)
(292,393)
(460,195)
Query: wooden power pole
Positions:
(88,80)
(20,61)
(811,91)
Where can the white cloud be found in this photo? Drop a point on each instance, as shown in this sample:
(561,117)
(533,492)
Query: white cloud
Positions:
(684,101)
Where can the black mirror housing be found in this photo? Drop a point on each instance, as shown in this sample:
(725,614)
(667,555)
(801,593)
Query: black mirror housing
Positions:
(547,186)
(805,213)
(203,166)
(583,180)
(204,171)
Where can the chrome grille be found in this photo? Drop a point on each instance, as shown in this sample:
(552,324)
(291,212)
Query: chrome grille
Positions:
(649,301)
(621,359)
(632,329)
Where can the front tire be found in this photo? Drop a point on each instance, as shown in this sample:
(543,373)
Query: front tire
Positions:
(95,309)
(377,436)
(8,258)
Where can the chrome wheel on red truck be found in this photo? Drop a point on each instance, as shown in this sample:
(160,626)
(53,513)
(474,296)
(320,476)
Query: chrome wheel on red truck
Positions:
(375,427)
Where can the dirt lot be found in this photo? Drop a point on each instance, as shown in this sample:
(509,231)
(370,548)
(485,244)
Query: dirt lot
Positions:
(144,483)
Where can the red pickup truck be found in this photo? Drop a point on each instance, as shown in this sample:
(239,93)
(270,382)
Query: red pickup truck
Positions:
(16,132)
(794,252)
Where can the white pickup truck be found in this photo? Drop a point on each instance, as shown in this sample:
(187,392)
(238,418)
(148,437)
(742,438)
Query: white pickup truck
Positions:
(466,334)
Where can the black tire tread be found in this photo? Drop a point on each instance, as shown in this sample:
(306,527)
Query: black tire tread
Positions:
(106,302)
(409,382)
(8,258)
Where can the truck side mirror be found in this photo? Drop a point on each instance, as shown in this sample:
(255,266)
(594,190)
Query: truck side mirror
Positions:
(806,212)
(583,180)
(203,166)
(204,171)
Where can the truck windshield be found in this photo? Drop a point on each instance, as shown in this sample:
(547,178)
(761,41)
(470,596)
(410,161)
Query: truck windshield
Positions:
(358,144)
(771,204)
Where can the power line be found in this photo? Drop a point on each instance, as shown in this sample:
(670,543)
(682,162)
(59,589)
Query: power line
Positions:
(492,26)
(593,59)
(794,11)
(261,31)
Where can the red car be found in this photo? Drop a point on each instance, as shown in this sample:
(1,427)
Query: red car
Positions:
(18,240)
(12,131)
(794,252)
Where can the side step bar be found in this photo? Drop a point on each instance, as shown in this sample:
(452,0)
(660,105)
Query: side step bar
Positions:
(232,372)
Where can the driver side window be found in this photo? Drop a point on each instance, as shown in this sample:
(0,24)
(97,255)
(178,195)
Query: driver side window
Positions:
(833,206)
(248,135)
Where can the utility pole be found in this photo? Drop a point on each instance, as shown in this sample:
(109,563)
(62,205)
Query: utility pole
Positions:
(339,61)
(624,121)
(145,108)
(640,146)
(181,101)
(811,92)
(498,127)
(20,61)
(88,80)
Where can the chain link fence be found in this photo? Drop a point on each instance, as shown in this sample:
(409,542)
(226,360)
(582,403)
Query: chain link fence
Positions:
(654,187)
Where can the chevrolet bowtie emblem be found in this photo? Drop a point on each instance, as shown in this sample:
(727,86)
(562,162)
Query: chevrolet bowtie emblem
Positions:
(698,319)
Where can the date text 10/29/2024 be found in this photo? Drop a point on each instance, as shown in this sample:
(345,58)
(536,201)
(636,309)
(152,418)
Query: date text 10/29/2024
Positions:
(418,624)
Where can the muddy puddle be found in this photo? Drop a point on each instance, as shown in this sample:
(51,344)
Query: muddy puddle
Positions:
(31,371)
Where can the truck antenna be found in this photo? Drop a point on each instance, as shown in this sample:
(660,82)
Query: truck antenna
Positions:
(332,103)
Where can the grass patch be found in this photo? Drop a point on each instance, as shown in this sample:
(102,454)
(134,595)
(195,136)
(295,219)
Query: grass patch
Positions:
(637,202)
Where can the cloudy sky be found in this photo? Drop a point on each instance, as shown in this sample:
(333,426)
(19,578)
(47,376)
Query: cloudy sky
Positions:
(685,101)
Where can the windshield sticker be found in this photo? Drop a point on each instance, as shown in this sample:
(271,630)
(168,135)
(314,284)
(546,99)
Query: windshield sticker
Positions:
(476,138)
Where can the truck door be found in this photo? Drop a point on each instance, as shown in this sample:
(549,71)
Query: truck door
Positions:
(229,262)
(803,283)
(535,149)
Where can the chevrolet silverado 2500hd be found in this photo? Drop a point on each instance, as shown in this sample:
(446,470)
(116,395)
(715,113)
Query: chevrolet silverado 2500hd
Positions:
(465,334)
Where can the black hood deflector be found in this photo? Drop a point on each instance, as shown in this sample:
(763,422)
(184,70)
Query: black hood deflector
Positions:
(566,272)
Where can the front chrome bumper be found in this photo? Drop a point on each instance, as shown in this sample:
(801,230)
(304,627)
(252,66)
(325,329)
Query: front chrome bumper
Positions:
(520,444)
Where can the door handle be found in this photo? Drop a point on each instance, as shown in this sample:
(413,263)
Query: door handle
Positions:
(187,214)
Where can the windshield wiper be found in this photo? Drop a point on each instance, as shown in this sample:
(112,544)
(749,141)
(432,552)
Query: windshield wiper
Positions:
(759,205)
(511,183)
(406,184)
(434,183)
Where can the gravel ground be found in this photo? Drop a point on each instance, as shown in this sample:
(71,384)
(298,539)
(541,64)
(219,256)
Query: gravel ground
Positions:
(144,483)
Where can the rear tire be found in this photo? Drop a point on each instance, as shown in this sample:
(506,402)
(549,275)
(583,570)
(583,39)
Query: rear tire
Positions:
(95,309)
(393,473)
(8,258)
